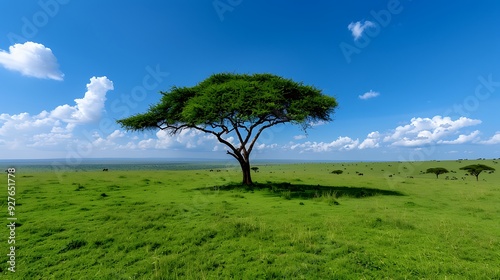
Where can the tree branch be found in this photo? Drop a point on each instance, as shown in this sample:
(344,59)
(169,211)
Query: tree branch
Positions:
(250,130)
(174,129)
(254,140)
(235,152)
(240,138)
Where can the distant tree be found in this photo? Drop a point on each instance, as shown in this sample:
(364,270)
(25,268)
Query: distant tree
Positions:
(255,169)
(437,170)
(338,172)
(476,169)
(236,109)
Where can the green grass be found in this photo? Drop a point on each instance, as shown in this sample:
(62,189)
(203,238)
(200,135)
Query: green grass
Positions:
(298,222)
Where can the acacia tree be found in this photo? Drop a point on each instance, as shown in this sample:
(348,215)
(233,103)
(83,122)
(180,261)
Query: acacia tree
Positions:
(239,105)
(476,169)
(437,170)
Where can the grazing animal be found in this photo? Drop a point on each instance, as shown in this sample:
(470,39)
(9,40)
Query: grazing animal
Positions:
(105,169)
(360,174)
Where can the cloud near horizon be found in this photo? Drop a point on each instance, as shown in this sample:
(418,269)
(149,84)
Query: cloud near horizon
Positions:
(31,60)
(57,126)
(341,143)
(419,132)
(357,28)
(371,141)
(425,131)
(495,139)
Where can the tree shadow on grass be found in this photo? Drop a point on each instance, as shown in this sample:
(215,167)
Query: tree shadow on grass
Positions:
(303,191)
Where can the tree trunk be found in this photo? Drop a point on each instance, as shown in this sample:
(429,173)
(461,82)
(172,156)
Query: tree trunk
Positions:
(245,168)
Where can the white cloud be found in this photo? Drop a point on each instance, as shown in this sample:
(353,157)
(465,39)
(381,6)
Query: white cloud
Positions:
(54,128)
(341,143)
(318,123)
(261,147)
(147,144)
(31,59)
(299,137)
(187,138)
(357,28)
(371,141)
(109,141)
(15,125)
(90,107)
(424,131)
(116,134)
(369,94)
(495,139)
(462,139)
(49,139)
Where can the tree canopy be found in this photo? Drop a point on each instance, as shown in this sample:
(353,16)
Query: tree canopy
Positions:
(437,170)
(242,105)
(476,169)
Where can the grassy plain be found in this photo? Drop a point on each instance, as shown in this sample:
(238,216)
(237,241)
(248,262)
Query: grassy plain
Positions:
(298,222)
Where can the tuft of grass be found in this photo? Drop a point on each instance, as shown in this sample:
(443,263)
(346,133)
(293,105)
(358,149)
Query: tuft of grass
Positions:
(72,245)
(286,194)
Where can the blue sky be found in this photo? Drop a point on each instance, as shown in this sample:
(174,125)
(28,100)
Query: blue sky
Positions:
(415,80)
